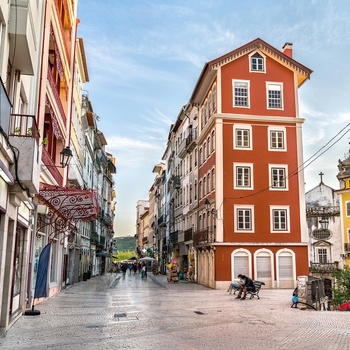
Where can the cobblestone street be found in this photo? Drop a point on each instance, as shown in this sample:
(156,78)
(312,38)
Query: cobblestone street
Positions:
(115,312)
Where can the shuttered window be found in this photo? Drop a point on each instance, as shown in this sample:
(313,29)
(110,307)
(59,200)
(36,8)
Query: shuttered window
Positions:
(241,265)
(285,267)
(263,267)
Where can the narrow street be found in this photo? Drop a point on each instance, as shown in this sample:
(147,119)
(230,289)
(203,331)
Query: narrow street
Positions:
(115,312)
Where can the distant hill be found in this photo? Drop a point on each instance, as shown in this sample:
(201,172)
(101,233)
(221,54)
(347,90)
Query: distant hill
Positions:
(125,244)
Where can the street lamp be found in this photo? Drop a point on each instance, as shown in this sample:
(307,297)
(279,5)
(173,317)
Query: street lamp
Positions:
(65,156)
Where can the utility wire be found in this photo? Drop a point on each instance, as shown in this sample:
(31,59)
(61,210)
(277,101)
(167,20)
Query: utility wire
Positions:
(306,163)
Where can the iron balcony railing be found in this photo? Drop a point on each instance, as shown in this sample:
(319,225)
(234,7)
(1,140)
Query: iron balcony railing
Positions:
(174,237)
(204,237)
(323,267)
(189,234)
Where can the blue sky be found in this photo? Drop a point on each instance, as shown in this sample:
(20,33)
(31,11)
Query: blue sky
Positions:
(145,56)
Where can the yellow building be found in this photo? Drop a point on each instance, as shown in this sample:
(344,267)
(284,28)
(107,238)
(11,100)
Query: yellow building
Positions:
(344,197)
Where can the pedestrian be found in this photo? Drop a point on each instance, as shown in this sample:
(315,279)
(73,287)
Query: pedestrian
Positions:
(247,285)
(123,268)
(295,299)
(134,267)
(144,272)
(235,285)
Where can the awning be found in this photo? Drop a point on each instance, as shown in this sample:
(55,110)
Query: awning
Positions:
(70,203)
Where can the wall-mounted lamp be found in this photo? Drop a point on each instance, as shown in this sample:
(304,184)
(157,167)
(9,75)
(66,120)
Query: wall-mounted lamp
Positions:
(207,207)
(65,156)
(342,256)
(324,222)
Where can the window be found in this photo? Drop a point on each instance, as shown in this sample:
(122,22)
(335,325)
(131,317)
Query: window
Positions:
(257,63)
(204,186)
(208,182)
(210,104)
(212,140)
(277,139)
(208,142)
(240,93)
(242,136)
(204,151)
(280,219)
(213,179)
(200,190)
(214,99)
(243,176)
(274,96)
(200,156)
(347,208)
(244,218)
(278,177)
(322,255)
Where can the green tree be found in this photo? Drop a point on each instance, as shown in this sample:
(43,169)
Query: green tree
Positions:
(123,255)
(341,290)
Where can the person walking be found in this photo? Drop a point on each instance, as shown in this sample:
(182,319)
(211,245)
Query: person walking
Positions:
(247,285)
(144,272)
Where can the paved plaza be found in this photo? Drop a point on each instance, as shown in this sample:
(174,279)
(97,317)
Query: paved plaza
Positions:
(116,312)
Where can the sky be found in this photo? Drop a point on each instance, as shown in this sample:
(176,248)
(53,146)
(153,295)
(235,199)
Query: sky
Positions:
(144,58)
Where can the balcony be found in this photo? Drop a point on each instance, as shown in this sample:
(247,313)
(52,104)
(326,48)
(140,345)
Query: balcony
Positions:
(174,237)
(188,234)
(323,267)
(51,166)
(182,151)
(23,15)
(188,144)
(107,219)
(162,220)
(204,237)
(97,239)
(24,135)
(94,238)
(177,182)
(191,140)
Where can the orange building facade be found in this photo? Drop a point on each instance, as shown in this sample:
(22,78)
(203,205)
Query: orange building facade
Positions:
(251,188)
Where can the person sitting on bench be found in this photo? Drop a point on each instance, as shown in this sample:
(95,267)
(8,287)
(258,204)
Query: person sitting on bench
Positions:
(235,285)
(247,285)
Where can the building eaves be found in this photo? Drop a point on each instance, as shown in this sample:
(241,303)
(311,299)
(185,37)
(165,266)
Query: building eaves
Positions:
(209,70)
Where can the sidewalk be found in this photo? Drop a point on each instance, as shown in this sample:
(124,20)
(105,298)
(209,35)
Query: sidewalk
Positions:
(116,312)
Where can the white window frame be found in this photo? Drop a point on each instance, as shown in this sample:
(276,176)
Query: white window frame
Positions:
(234,82)
(274,86)
(263,57)
(242,127)
(251,175)
(318,251)
(284,208)
(283,167)
(248,208)
(277,129)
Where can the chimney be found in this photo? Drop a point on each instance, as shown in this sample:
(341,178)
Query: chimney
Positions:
(288,49)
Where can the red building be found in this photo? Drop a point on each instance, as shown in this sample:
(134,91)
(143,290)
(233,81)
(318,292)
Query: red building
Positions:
(251,186)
